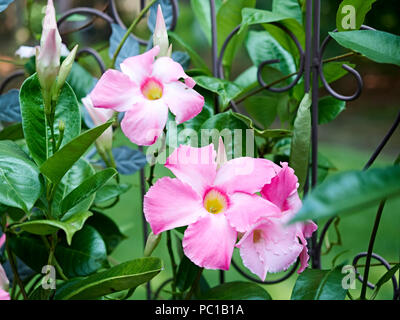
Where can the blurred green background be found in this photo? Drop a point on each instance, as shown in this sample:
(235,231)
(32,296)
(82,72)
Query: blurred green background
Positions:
(347,142)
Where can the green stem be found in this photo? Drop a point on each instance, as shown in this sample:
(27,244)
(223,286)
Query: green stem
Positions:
(14,269)
(129,30)
(173,263)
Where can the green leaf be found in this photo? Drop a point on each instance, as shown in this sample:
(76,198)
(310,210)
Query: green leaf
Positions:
(262,46)
(69,225)
(80,80)
(288,8)
(110,191)
(385,278)
(376,45)
(127,275)
(351,14)
(197,60)
(85,256)
(20,181)
(238,290)
(350,191)
(232,129)
(229,17)
(268,133)
(12,132)
(79,172)
(59,163)
(314,284)
(329,108)
(201,9)
(34,121)
(262,109)
(187,273)
(225,89)
(87,188)
(333,71)
(108,229)
(300,147)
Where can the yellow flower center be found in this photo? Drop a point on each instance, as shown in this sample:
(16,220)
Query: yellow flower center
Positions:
(152,89)
(215,202)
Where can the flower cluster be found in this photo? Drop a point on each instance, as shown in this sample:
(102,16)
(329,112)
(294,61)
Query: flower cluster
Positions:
(222,201)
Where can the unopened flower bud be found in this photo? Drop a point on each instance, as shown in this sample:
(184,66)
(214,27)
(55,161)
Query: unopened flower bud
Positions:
(151,243)
(65,69)
(160,35)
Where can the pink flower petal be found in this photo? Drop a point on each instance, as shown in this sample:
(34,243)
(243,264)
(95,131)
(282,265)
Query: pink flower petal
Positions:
(139,67)
(276,244)
(116,91)
(145,122)
(167,70)
(3,279)
(184,102)
(245,174)
(194,166)
(282,190)
(305,230)
(245,209)
(2,240)
(171,203)
(210,241)
(4,295)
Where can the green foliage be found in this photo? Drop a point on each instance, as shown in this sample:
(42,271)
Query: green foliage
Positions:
(314,284)
(34,122)
(127,275)
(187,273)
(237,290)
(376,45)
(361,8)
(349,192)
(329,108)
(20,181)
(301,144)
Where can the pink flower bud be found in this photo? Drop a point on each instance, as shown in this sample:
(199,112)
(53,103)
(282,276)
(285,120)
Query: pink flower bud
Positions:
(100,116)
(160,36)
(48,55)
(3,280)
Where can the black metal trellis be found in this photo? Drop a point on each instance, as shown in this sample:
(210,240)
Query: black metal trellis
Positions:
(310,69)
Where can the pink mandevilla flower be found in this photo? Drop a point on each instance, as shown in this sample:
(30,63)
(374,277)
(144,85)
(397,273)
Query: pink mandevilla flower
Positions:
(208,196)
(270,245)
(145,90)
(4,295)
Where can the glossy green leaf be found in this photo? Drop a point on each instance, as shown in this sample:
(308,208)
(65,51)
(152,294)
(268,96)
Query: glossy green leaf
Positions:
(59,163)
(79,172)
(12,132)
(262,46)
(378,46)
(314,284)
(351,14)
(288,8)
(232,129)
(329,108)
(334,71)
(385,278)
(20,181)
(187,273)
(34,121)
(262,109)
(226,90)
(350,191)
(108,229)
(110,191)
(300,148)
(229,16)
(80,80)
(85,256)
(201,9)
(237,290)
(87,188)
(127,275)
(196,58)
(69,225)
